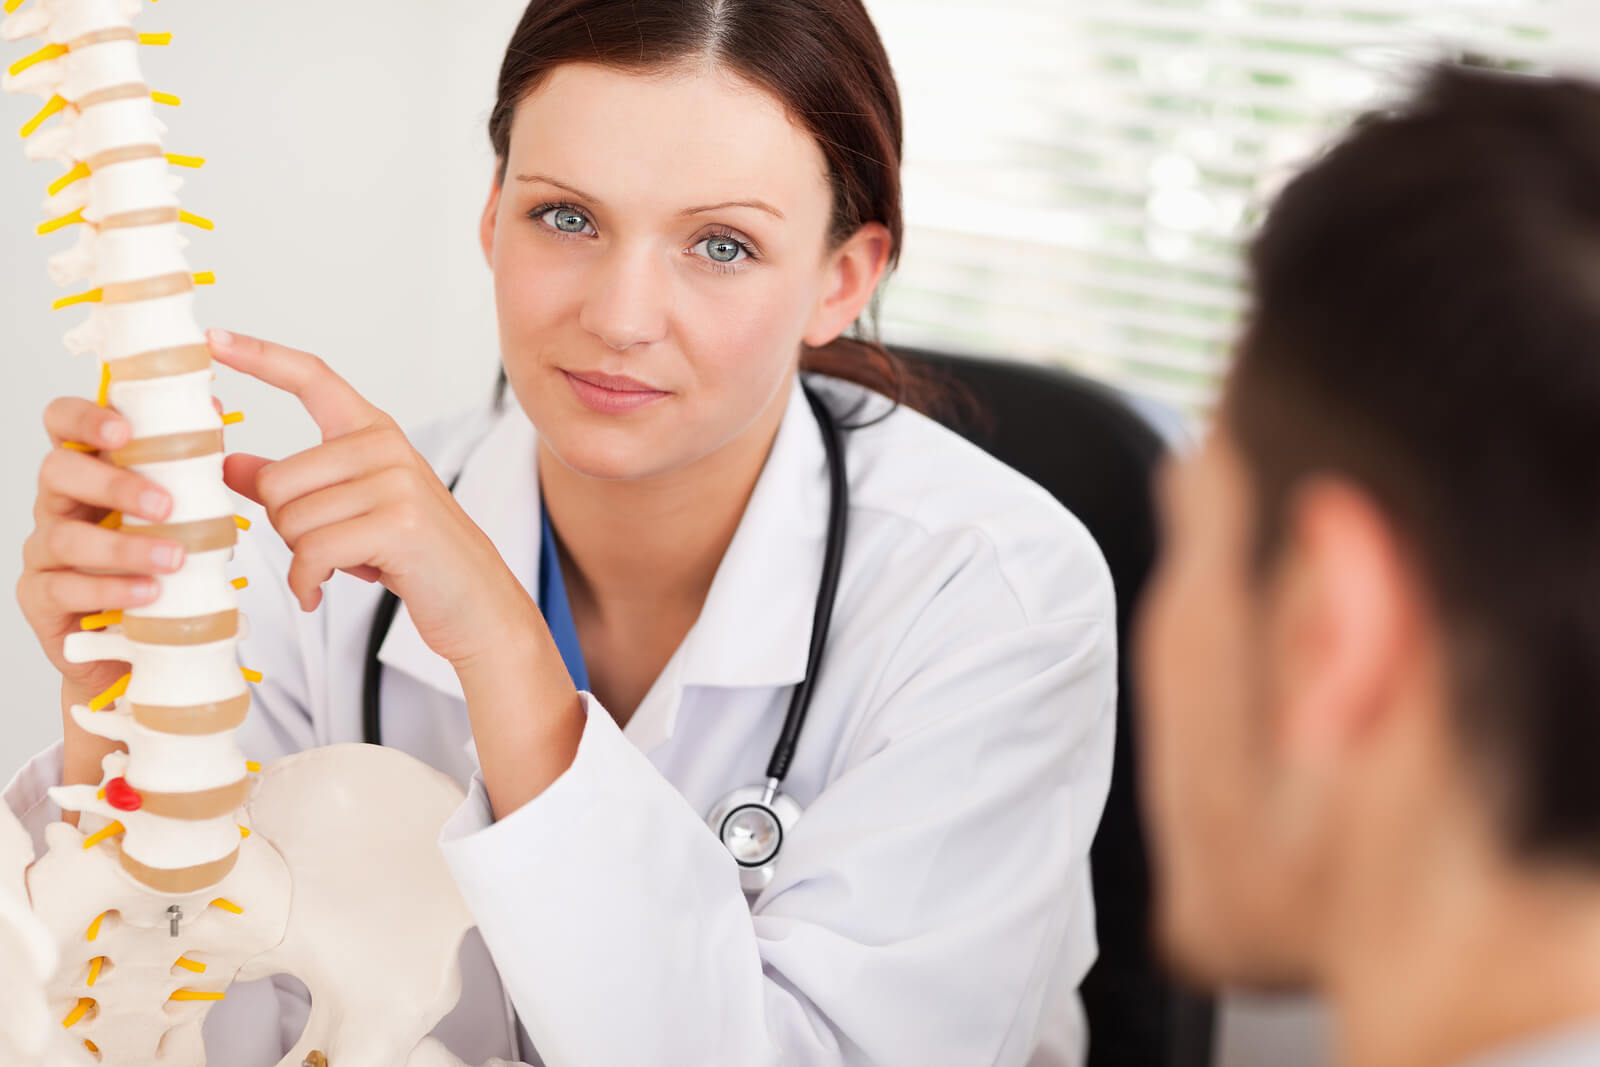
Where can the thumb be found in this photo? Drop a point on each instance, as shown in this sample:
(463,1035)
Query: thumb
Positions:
(240,471)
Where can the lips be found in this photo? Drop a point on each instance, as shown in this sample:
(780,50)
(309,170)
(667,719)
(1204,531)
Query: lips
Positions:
(611,394)
(612,382)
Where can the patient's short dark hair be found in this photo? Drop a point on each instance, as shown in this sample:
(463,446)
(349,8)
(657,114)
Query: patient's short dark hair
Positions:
(1426,324)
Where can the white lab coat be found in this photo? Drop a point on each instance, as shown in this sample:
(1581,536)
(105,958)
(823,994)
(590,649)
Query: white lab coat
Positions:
(932,906)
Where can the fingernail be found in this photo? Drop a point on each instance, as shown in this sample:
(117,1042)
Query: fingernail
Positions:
(114,433)
(144,592)
(220,339)
(167,557)
(153,504)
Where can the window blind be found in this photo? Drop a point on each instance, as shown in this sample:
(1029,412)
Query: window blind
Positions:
(1079,174)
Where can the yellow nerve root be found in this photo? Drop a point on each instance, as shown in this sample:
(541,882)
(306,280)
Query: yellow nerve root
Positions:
(103,397)
(93,296)
(12,5)
(205,277)
(76,446)
(94,927)
(78,173)
(94,968)
(48,52)
(190,965)
(62,223)
(244,831)
(91,1046)
(232,418)
(196,220)
(100,835)
(84,1004)
(240,583)
(110,695)
(227,905)
(165,98)
(241,522)
(252,766)
(186,161)
(112,521)
(101,621)
(155,38)
(193,994)
(54,107)
(250,675)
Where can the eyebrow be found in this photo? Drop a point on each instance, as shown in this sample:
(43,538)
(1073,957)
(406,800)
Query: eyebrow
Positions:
(759,205)
(573,189)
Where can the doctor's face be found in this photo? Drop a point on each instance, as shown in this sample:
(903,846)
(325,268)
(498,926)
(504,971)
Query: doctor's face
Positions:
(660,250)
(1232,874)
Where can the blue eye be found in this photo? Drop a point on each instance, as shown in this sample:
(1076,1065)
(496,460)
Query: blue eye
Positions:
(724,250)
(565,219)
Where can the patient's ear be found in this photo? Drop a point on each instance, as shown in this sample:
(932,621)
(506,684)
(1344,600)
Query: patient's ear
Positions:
(1346,620)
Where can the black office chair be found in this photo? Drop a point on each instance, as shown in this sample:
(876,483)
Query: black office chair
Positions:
(1084,444)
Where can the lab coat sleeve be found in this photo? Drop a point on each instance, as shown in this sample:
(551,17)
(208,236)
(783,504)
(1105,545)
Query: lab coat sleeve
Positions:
(25,794)
(920,908)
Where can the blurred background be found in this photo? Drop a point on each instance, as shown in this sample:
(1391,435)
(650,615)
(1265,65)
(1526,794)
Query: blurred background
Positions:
(1079,174)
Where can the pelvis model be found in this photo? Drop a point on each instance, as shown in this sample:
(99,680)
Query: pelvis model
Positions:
(190,868)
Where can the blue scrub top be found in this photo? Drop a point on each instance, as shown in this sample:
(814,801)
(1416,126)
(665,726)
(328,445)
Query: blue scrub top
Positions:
(556,607)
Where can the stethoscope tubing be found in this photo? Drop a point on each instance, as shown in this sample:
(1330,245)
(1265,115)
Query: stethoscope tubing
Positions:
(822,616)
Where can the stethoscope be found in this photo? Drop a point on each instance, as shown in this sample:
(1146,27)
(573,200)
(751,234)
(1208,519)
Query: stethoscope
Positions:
(752,821)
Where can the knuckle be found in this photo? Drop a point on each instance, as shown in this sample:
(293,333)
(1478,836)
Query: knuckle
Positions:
(311,545)
(54,587)
(50,469)
(58,541)
(269,484)
(289,521)
(397,483)
(31,549)
(28,597)
(386,438)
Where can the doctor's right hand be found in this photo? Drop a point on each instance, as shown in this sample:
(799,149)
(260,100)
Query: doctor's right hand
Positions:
(71,566)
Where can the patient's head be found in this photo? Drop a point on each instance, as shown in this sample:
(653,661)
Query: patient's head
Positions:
(1372,651)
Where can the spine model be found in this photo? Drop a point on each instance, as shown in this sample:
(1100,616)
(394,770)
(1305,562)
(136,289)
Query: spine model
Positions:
(167,812)
(174,802)
(191,869)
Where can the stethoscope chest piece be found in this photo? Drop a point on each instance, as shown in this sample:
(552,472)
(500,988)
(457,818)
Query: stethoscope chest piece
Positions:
(752,823)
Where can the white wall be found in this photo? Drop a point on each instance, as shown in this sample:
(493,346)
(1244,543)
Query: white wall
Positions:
(347,163)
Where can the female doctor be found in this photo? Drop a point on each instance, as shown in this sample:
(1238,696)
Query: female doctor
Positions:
(786,714)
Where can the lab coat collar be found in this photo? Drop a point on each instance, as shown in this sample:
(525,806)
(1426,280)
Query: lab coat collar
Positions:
(755,627)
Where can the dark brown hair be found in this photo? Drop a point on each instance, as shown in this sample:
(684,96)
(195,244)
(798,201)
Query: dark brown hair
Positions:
(1426,324)
(822,58)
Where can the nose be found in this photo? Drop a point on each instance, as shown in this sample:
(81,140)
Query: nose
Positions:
(626,304)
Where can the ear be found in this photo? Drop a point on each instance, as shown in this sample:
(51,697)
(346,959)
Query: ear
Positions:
(1348,625)
(491,211)
(854,270)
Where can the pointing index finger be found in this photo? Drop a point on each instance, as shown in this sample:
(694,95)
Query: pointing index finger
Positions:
(333,403)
